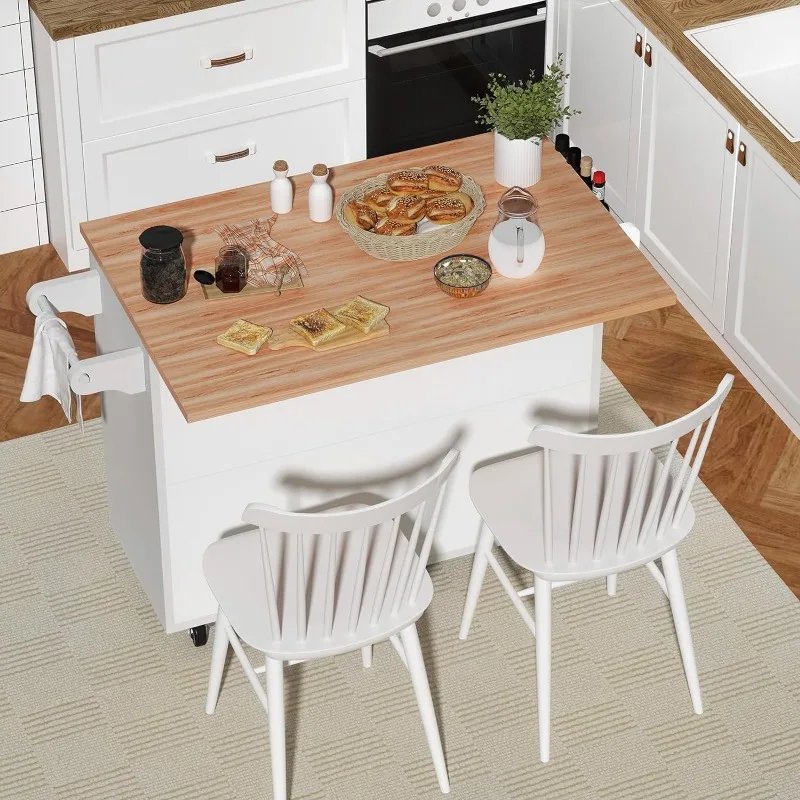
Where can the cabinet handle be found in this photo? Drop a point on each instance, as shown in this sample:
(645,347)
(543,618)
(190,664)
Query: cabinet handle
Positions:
(209,63)
(213,158)
(742,158)
(729,146)
(637,46)
(648,55)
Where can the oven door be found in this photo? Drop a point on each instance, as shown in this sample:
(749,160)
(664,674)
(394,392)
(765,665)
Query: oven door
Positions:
(420,84)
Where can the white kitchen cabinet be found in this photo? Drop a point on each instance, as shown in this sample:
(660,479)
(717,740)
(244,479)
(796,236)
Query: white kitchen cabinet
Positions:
(221,151)
(687,166)
(602,42)
(762,322)
(176,68)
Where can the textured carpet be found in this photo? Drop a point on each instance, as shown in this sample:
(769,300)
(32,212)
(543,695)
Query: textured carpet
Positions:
(96,703)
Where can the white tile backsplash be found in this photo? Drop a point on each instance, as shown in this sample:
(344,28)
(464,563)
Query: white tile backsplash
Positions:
(13,101)
(19,228)
(9,12)
(16,181)
(23,214)
(10,48)
(15,143)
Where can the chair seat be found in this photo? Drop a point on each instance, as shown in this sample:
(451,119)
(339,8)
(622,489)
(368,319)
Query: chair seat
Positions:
(508,495)
(234,569)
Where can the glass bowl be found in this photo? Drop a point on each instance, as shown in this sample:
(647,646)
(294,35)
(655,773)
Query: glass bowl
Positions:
(462,275)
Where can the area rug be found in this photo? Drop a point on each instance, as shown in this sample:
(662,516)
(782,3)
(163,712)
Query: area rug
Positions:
(97,703)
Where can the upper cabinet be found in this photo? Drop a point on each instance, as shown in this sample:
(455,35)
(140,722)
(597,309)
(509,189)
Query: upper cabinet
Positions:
(233,55)
(603,45)
(687,165)
(762,322)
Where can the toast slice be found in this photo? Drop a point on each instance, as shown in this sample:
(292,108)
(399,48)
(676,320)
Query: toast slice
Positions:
(361,314)
(318,327)
(244,337)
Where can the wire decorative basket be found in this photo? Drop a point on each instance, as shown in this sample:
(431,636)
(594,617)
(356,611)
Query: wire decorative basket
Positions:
(418,245)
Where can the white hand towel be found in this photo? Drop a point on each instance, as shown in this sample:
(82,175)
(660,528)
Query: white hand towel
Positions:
(48,365)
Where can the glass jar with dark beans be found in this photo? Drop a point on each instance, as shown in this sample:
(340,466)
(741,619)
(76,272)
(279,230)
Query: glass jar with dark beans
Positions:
(163,267)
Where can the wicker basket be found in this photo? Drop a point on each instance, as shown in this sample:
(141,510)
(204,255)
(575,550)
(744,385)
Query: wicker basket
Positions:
(419,245)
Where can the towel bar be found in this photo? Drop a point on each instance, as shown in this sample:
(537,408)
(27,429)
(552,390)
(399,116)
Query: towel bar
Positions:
(79,292)
(121,371)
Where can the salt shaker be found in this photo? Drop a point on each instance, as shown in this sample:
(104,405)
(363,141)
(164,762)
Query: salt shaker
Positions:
(281,191)
(320,195)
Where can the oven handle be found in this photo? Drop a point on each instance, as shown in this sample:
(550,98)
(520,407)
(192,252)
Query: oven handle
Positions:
(382,52)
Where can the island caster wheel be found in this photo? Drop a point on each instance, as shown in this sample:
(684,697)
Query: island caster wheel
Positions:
(199,635)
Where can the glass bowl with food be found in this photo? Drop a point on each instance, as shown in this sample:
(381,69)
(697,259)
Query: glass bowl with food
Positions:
(462,275)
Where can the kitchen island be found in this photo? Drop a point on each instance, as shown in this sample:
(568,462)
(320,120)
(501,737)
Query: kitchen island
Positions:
(215,429)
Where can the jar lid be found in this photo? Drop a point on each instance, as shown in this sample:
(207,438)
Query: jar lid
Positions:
(161,237)
(599,177)
(280,165)
(319,170)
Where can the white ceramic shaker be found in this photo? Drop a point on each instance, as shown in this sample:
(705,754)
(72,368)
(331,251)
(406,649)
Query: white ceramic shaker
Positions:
(320,195)
(281,191)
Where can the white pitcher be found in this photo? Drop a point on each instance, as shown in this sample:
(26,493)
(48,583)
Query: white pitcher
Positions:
(516,243)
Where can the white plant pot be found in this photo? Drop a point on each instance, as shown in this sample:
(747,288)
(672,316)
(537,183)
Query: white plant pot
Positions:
(517,162)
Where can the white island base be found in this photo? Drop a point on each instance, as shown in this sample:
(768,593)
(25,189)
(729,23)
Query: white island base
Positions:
(175,487)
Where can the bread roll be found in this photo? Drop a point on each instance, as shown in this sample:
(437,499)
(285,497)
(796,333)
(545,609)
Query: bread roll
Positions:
(408,208)
(408,181)
(379,199)
(360,214)
(394,227)
(444,210)
(468,202)
(443,179)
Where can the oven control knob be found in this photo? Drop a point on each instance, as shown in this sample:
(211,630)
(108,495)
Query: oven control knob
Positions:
(459,5)
(434,9)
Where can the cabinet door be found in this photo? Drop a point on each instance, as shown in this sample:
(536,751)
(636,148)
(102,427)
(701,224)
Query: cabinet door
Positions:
(686,178)
(605,85)
(223,151)
(762,322)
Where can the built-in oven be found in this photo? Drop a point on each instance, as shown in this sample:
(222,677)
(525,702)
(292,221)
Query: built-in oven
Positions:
(427,60)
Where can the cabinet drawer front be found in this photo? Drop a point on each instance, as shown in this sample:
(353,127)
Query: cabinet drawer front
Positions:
(223,151)
(199,63)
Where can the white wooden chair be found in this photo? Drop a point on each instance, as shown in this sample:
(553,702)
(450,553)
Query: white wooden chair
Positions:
(583,506)
(310,585)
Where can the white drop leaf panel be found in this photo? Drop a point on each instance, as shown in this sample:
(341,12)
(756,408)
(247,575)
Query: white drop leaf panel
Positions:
(605,85)
(686,180)
(192,64)
(763,317)
(180,161)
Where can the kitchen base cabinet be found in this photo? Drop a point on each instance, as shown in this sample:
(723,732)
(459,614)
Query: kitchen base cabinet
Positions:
(687,164)
(600,41)
(762,321)
(223,151)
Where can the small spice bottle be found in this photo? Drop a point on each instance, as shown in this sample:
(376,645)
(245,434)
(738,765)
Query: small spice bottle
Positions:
(281,191)
(320,195)
(599,187)
(162,265)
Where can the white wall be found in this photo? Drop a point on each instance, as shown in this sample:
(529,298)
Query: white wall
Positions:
(23,218)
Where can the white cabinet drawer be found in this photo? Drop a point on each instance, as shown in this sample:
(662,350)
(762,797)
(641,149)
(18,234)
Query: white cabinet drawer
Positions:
(176,162)
(199,63)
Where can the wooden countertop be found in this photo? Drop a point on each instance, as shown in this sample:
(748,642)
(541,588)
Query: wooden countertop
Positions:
(65,19)
(591,273)
(669,19)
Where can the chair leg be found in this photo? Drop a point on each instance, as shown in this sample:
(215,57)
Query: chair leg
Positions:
(277,727)
(479,563)
(680,616)
(366,656)
(611,585)
(542,617)
(219,653)
(419,679)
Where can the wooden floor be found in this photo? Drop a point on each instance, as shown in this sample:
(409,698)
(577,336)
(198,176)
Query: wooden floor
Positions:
(664,359)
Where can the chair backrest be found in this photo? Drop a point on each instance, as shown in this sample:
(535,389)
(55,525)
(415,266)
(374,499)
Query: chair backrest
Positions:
(326,564)
(608,498)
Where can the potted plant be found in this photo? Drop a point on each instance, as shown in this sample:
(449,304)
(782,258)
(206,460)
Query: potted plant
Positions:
(522,113)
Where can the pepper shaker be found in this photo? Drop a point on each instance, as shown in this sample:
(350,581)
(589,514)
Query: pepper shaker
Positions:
(320,195)
(281,191)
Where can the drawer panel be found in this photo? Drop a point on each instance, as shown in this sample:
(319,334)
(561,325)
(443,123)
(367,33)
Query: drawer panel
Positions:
(194,64)
(176,162)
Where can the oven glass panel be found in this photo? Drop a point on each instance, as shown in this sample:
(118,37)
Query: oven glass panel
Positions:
(423,96)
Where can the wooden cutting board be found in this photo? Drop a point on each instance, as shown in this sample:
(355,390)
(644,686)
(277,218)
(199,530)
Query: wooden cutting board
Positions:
(288,338)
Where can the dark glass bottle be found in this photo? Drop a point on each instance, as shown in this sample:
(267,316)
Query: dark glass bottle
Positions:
(574,158)
(586,170)
(162,265)
(562,144)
